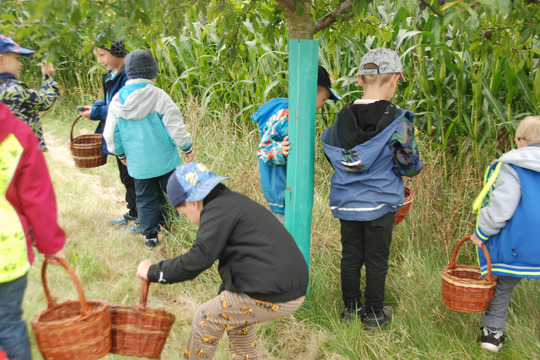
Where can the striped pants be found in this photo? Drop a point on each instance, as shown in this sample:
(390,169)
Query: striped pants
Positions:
(235,313)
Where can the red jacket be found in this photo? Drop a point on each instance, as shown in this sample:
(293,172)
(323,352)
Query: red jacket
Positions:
(30,190)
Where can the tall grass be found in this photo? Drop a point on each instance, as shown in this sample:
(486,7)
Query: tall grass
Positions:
(105,258)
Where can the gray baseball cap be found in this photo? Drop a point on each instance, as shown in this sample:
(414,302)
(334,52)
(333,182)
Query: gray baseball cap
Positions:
(387,60)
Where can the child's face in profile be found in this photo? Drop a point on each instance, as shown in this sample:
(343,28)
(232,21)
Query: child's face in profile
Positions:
(191,210)
(322,95)
(10,63)
(106,59)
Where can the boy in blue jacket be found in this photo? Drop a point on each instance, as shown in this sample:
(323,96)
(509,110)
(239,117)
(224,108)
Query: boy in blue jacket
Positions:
(370,146)
(111,56)
(273,122)
(145,128)
(509,205)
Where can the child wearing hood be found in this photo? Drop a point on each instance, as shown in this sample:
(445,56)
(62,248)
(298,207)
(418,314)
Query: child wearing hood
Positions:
(145,128)
(507,223)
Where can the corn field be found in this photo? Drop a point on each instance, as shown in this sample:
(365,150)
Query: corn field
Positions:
(472,69)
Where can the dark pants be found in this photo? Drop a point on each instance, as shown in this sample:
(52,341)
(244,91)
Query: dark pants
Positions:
(129,183)
(365,243)
(152,203)
(13,334)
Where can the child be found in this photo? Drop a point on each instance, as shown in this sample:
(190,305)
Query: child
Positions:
(264,275)
(273,123)
(370,146)
(508,223)
(24,102)
(112,58)
(144,127)
(26,200)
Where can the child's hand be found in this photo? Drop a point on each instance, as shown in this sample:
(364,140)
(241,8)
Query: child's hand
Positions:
(124,161)
(59,255)
(476,241)
(85,111)
(142,269)
(190,156)
(285,146)
(47,69)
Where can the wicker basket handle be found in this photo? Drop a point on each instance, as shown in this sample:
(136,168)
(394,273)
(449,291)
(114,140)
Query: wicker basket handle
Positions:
(73,126)
(143,297)
(484,249)
(86,309)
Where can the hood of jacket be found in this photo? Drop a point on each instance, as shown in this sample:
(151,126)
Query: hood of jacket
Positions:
(527,157)
(138,98)
(358,123)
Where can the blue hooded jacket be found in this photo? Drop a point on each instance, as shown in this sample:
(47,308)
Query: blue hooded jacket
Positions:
(273,177)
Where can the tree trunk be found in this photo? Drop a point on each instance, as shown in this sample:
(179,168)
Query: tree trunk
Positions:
(299,19)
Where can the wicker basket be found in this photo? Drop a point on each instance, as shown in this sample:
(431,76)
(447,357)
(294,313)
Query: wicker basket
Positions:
(86,149)
(139,331)
(463,288)
(73,329)
(407,203)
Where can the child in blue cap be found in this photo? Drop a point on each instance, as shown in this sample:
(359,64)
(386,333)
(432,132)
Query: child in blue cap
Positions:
(24,102)
(264,274)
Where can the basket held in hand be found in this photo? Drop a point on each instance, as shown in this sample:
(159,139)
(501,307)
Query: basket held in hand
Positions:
(463,288)
(75,329)
(139,331)
(86,149)
(407,203)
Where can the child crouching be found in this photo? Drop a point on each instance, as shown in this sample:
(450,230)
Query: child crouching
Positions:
(264,274)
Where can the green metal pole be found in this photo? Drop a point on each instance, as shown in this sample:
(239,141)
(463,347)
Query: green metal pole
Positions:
(303,62)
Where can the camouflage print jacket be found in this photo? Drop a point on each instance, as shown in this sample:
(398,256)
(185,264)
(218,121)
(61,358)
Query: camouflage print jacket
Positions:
(26,103)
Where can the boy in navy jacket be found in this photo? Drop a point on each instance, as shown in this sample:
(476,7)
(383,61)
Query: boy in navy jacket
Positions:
(370,146)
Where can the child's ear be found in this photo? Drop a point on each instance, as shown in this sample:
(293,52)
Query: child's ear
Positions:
(360,81)
(199,205)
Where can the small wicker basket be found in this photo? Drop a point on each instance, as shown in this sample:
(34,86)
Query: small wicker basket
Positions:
(463,288)
(407,203)
(86,149)
(139,331)
(73,329)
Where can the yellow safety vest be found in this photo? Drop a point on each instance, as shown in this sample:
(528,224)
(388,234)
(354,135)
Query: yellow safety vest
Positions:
(13,253)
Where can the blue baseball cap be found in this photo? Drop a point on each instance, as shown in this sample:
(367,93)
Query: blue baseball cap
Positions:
(8,45)
(191,182)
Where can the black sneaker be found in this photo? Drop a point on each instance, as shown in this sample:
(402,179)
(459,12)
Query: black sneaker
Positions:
(491,340)
(351,314)
(374,322)
(151,243)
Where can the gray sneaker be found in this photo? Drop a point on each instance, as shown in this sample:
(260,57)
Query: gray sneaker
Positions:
(374,322)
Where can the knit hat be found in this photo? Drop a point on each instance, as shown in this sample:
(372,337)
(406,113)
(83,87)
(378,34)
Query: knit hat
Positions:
(8,45)
(387,60)
(116,48)
(191,182)
(140,64)
(323,79)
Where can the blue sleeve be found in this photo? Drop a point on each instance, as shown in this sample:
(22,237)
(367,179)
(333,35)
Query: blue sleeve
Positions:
(99,110)
(406,160)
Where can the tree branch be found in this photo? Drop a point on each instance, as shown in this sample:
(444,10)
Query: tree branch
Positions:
(332,16)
